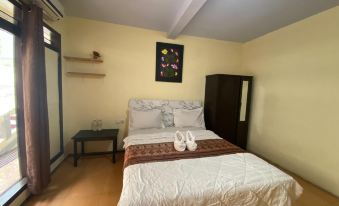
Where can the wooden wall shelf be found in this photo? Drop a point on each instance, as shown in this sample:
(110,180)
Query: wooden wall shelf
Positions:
(86,74)
(85,60)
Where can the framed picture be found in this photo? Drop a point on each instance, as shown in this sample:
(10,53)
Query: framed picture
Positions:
(169,62)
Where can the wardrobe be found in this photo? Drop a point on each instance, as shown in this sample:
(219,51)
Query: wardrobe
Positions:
(227,106)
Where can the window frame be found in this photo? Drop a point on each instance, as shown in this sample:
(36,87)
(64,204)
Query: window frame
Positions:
(10,27)
(17,188)
(55,45)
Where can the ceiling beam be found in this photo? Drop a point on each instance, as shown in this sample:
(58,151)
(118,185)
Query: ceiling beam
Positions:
(184,16)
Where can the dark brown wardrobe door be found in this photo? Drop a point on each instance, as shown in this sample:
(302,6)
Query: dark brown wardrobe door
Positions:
(221,105)
(227,107)
(210,104)
(223,112)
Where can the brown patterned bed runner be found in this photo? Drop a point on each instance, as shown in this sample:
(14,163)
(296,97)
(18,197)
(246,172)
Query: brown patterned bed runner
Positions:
(144,153)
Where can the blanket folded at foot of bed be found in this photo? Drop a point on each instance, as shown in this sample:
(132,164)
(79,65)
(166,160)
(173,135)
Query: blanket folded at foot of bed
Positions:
(144,153)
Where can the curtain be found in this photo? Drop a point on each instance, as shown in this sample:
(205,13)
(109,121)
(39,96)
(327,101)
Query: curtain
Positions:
(35,100)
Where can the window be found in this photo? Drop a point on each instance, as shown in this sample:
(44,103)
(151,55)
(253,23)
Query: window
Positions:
(52,42)
(47,36)
(9,152)
(9,162)
(52,38)
(10,16)
(7,11)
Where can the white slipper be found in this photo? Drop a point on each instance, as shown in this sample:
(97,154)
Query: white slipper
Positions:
(179,142)
(190,141)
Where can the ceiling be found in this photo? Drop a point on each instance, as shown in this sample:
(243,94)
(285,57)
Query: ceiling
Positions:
(230,20)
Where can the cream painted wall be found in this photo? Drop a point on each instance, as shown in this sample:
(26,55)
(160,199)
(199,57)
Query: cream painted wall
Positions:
(129,63)
(295,111)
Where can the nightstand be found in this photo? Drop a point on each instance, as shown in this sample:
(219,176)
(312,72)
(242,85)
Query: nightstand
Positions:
(88,135)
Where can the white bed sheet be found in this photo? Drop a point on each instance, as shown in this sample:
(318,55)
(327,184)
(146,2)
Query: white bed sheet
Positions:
(238,179)
(149,136)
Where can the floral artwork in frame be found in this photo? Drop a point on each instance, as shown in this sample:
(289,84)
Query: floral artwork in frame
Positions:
(169,62)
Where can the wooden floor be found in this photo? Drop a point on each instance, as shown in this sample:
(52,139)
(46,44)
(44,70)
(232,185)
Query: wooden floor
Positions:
(96,181)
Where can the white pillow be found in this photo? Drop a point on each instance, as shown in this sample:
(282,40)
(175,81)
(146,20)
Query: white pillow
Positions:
(145,119)
(189,118)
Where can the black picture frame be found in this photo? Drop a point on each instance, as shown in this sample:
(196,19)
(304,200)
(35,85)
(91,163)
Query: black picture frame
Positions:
(169,62)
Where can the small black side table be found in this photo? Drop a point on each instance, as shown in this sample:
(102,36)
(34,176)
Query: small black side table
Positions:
(89,135)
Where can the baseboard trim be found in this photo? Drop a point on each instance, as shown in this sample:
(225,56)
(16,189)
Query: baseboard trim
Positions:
(57,162)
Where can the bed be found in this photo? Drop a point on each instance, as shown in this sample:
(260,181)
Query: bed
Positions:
(231,178)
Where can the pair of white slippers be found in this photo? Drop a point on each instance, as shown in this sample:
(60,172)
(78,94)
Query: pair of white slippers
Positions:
(181,142)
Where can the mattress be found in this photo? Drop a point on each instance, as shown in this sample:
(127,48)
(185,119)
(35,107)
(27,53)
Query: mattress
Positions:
(235,179)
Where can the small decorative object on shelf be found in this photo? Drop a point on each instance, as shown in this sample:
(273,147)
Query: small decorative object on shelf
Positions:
(96,55)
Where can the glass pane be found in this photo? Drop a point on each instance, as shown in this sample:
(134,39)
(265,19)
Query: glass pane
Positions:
(51,59)
(243,100)
(9,163)
(47,36)
(9,12)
